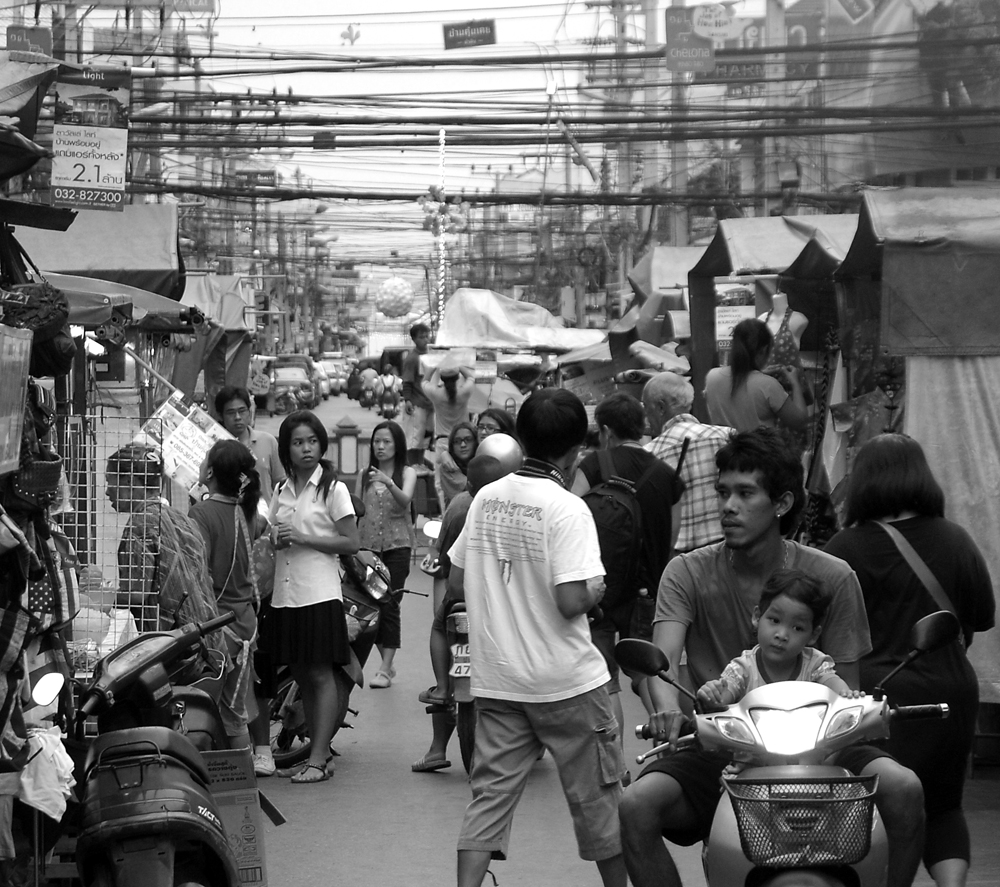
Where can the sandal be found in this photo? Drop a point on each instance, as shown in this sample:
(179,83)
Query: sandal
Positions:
(429,765)
(428,698)
(381,680)
(305,775)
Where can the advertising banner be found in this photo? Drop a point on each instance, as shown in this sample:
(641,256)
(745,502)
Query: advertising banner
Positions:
(90,140)
(15,355)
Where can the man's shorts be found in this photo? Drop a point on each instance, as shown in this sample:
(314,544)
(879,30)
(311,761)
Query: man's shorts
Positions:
(581,734)
(417,426)
(699,774)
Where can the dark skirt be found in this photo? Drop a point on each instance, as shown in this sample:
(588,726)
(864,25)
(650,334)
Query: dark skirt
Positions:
(306,635)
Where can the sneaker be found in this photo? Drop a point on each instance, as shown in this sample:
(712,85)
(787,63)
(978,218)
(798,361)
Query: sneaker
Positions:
(263,765)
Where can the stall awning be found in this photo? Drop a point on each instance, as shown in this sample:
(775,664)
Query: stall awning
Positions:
(937,254)
(92,301)
(824,252)
(769,245)
(664,267)
(137,247)
(223,297)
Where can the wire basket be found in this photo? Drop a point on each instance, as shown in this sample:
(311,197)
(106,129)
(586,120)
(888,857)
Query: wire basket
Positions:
(805,822)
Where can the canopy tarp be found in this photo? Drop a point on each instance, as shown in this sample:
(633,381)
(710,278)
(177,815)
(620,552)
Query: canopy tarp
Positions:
(664,267)
(137,247)
(219,296)
(934,249)
(484,319)
(92,302)
(756,246)
(24,78)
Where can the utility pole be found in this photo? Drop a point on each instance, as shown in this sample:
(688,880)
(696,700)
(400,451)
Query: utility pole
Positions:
(679,161)
(651,150)
(775,67)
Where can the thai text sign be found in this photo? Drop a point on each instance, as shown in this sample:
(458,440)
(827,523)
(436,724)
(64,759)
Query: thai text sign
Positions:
(90,140)
(481,32)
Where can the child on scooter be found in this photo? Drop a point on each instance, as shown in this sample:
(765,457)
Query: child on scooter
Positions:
(787,619)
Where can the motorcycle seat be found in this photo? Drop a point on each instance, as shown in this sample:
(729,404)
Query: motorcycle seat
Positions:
(138,741)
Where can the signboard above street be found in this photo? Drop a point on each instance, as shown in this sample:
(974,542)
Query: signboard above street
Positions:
(686,51)
(461,35)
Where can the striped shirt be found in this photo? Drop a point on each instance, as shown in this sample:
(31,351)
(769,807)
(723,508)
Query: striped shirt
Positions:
(700,523)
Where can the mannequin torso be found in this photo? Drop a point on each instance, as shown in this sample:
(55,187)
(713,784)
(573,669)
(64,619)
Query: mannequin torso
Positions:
(780,316)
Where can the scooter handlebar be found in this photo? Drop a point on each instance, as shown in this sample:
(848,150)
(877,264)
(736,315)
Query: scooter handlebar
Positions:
(918,712)
(216,623)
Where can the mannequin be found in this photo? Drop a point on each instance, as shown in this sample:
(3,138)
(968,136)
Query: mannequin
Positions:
(776,317)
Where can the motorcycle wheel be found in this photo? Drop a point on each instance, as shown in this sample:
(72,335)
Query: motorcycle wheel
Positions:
(803,878)
(466,727)
(290,743)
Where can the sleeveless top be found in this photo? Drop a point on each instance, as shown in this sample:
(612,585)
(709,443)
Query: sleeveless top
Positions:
(386,524)
(785,351)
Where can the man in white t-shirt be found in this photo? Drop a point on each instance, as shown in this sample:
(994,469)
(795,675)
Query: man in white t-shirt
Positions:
(530,551)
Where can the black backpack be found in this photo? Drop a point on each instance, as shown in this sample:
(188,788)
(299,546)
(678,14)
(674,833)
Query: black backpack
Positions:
(618,517)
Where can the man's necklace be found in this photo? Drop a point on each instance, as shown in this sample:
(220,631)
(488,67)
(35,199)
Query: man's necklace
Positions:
(784,559)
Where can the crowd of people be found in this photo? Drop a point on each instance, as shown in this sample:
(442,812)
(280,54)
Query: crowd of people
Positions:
(722,587)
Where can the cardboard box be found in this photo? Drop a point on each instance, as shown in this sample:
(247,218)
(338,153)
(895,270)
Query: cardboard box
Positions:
(234,786)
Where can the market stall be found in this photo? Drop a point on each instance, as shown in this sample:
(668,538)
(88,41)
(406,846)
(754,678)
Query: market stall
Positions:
(920,327)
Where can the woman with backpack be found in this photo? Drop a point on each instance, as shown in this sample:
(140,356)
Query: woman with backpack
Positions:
(386,527)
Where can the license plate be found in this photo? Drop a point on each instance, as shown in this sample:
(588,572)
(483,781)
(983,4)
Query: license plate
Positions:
(461,662)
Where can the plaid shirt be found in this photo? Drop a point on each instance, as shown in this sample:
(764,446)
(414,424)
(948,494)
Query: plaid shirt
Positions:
(700,523)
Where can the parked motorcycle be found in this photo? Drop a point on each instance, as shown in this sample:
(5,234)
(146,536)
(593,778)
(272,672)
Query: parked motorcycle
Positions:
(789,818)
(286,402)
(366,587)
(461,702)
(148,816)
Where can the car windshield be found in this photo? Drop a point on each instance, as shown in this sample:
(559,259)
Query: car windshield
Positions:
(330,366)
(290,374)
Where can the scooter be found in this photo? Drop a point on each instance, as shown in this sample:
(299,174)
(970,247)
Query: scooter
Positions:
(366,586)
(461,702)
(367,398)
(148,816)
(787,817)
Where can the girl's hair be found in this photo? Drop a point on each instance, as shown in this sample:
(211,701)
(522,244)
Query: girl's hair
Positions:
(467,426)
(399,459)
(799,587)
(890,476)
(749,337)
(234,469)
(504,419)
(293,421)
(450,384)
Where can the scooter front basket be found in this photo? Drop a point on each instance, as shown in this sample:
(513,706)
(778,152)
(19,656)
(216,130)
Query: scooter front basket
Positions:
(804,822)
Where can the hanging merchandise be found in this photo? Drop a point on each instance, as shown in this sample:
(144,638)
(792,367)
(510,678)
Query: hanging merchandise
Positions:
(394,297)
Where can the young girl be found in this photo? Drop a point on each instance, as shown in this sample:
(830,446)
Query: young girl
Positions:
(312,524)
(788,618)
(386,528)
(229,523)
(450,466)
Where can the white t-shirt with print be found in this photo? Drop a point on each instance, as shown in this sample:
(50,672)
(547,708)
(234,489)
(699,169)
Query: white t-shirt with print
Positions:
(522,537)
(302,575)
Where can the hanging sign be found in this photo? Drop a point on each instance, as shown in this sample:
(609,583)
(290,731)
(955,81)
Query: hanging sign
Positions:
(482,32)
(686,51)
(90,140)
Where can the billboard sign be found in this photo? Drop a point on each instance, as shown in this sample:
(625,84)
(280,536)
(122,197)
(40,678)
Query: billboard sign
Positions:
(687,52)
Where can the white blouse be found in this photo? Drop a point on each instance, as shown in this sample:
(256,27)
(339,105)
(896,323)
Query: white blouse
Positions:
(302,575)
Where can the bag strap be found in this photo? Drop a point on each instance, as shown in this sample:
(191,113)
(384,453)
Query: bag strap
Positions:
(918,566)
(680,458)
(606,464)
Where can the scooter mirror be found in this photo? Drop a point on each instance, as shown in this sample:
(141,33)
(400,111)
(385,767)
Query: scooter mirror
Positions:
(640,656)
(934,631)
(432,529)
(47,688)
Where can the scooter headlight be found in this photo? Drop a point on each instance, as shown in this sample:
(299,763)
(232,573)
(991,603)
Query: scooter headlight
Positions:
(789,732)
(734,730)
(844,722)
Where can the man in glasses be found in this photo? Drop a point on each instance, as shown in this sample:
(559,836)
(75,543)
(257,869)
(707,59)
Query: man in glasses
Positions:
(232,405)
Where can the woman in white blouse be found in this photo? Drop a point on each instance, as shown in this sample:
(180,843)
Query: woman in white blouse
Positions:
(312,524)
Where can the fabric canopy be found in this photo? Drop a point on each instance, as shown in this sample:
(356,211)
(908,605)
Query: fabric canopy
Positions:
(137,247)
(484,319)
(664,267)
(221,297)
(937,254)
(92,302)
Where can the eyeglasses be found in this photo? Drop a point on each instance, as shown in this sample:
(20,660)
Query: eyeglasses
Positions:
(487,429)
(463,439)
(236,414)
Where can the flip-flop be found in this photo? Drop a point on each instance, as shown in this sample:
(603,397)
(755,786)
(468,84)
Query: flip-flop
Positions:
(425,765)
(428,698)
(304,776)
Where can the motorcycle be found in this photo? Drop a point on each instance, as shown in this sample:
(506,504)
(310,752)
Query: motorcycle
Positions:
(389,404)
(366,587)
(786,817)
(286,402)
(367,398)
(149,818)
(461,704)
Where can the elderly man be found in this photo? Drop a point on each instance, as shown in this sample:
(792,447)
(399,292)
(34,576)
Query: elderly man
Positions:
(667,399)
(162,562)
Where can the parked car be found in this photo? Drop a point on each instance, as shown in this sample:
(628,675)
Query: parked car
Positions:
(292,389)
(305,362)
(324,380)
(336,369)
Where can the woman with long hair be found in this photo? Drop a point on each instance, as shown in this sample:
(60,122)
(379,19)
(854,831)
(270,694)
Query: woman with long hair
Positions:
(451,466)
(312,523)
(230,524)
(743,397)
(891,491)
(387,488)
(495,421)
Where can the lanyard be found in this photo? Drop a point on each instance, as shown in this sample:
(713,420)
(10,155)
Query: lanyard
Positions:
(538,468)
